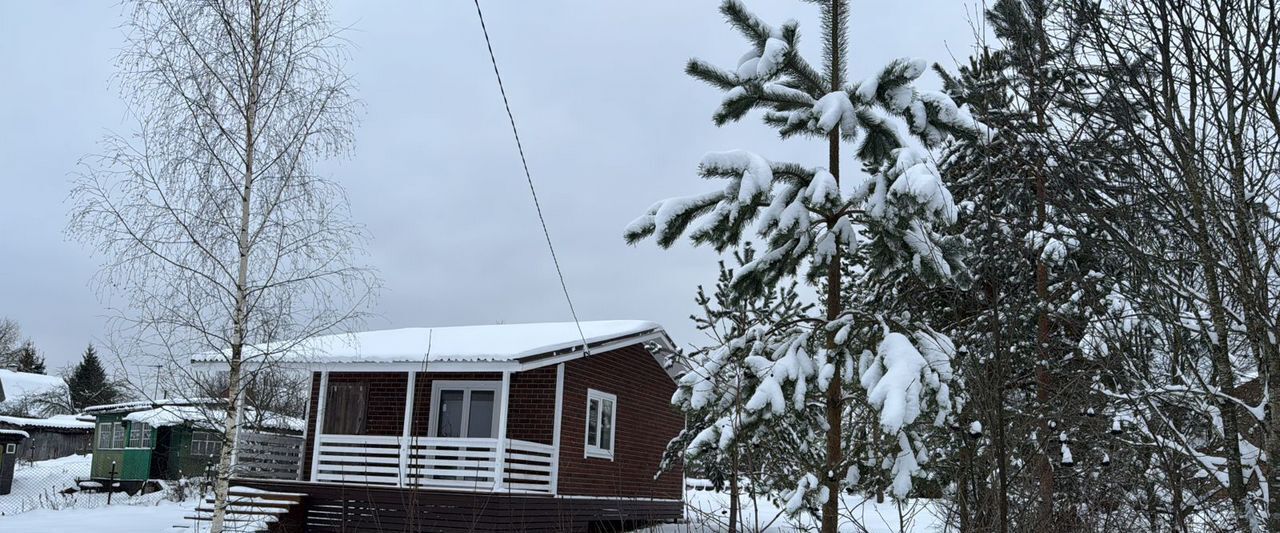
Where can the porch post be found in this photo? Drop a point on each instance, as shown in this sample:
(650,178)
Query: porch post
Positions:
(307,414)
(500,469)
(555,432)
(407,433)
(315,441)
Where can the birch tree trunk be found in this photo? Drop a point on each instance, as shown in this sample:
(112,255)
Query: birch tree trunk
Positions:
(212,224)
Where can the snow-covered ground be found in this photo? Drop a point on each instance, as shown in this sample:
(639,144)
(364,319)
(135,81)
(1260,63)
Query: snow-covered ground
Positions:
(38,505)
(707,511)
(157,517)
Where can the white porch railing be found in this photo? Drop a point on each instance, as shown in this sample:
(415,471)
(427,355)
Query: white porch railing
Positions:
(431,462)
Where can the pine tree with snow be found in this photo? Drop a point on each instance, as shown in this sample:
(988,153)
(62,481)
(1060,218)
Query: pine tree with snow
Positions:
(822,374)
(1044,276)
(89,383)
(29,360)
(711,390)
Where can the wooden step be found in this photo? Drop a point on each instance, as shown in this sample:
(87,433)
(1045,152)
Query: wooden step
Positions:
(231,519)
(245,492)
(254,502)
(233,511)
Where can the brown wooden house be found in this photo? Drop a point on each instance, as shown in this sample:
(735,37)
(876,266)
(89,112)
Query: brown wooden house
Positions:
(505,427)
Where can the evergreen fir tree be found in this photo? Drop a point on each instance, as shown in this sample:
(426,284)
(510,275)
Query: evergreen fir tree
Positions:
(828,383)
(1043,273)
(29,360)
(89,383)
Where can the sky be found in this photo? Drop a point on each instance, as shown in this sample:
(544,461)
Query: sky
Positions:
(609,122)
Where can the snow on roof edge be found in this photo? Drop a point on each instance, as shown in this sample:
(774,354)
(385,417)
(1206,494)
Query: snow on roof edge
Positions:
(496,343)
(53,422)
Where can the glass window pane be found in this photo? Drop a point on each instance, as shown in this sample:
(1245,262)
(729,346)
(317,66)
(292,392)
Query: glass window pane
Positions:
(593,417)
(104,436)
(117,435)
(480,415)
(606,425)
(449,414)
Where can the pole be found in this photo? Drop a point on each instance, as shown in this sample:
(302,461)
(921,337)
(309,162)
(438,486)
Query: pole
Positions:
(111,482)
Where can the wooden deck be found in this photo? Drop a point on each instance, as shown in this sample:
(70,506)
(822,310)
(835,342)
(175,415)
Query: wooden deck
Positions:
(331,508)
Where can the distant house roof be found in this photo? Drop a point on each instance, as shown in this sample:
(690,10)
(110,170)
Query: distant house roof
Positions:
(56,422)
(202,416)
(18,386)
(199,412)
(499,343)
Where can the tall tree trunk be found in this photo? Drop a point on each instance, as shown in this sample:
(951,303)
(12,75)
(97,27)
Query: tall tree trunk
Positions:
(1224,373)
(240,316)
(834,475)
(1044,381)
(999,442)
(733,493)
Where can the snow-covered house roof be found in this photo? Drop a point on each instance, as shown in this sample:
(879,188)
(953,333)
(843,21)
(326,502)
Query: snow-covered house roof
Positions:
(199,412)
(19,386)
(203,416)
(55,423)
(14,432)
(498,344)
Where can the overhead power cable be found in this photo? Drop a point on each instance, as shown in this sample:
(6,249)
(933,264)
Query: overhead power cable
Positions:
(529,178)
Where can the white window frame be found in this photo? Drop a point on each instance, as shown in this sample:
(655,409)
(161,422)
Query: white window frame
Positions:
(10,448)
(145,437)
(594,450)
(104,435)
(499,403)
(210,446)
(117,428)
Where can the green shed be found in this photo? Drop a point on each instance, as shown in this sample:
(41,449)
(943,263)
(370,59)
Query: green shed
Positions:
(162,440)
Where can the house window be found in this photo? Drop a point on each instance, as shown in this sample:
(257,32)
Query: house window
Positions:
(344,411)
(117,435)
(104,436)
(464,409)
(601,416)
(139,435)
(205,443)
(10,448)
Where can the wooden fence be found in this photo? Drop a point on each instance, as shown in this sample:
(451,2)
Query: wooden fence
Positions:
(267,456)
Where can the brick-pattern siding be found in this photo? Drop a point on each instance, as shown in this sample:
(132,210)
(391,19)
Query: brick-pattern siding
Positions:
(532,405)
(645,423)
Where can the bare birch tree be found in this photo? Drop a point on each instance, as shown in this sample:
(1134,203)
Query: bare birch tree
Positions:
(1202,78)
(215,231)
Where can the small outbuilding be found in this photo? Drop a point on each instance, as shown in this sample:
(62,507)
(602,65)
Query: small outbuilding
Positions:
(9,441)
(135,442)
(52,437)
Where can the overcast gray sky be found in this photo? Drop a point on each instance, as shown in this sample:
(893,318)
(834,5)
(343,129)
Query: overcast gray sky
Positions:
(609,121)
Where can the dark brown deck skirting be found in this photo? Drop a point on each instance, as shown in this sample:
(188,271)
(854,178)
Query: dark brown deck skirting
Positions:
(333,508)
